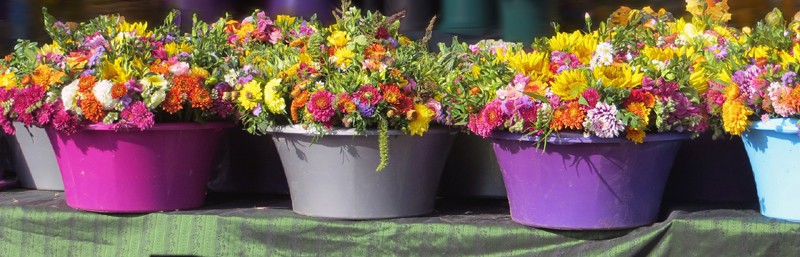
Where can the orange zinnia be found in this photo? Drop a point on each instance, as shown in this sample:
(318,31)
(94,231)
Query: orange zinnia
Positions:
(92,109)
(570,117)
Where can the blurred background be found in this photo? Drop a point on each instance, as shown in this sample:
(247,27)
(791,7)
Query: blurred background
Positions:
(470,20)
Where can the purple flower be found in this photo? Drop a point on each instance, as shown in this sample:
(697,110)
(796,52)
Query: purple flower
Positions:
(720,51)
(788,78)
(96,40)
(257,110)
(245,79)
(602,121)
(411,86)
(364,108)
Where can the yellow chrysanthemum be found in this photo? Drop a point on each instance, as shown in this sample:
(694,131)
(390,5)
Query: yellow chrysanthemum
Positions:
(338,38)
(531,64)
(635,135)
(273,100)
(421,120)
(343,56)
(173,48)
(250,95)
(735,117)
(618,75)
(569,84)
(8,79)
(245,30)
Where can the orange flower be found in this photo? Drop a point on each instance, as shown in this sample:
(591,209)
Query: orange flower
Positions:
(173,102)
(184,84)
(118,90)
(570,117)
(86,83)
(92,109)
(300,99)
(159,67)
(474,90)
(635,135)
(45,76)
(794,99)
(375,51)
(640,110)
(200,98)
(391,93)
(345,104)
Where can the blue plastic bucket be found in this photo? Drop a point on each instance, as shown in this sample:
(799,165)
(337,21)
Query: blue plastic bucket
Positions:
(774,151)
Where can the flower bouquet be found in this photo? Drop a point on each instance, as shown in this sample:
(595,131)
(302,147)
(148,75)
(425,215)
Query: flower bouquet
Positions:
(334,99)
(760,103)
(126,107)
(575,96)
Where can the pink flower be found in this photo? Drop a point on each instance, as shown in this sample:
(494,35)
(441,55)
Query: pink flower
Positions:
(321,106)
(591,97)
(136,116)
(368,94)
(179,68)
(65,122)
(487,120)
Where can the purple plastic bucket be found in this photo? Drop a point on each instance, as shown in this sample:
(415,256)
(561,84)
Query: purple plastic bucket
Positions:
(585,183)
(163,168)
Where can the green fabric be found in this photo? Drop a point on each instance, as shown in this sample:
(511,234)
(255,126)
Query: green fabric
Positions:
(38,223)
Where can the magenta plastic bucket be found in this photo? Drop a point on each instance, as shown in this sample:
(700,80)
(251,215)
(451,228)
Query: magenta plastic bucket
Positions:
(585,183)
(163,168)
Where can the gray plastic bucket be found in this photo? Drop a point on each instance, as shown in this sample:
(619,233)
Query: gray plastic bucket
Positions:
(34,159)
(335,177)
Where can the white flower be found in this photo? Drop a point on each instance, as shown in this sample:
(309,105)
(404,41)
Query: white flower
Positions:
(102,91)
(602,120)
(230,77)
(153,100)
(68,94)
(603,55)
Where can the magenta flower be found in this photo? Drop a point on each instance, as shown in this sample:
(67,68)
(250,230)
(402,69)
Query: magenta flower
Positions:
(321,106)
(368,94)
(136,116)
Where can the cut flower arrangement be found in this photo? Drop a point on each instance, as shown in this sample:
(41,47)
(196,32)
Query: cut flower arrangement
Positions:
(628,77)
(764,86)
(358,73)
(110,71)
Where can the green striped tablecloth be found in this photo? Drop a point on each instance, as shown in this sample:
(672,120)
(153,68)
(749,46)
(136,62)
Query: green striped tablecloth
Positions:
(38,223)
